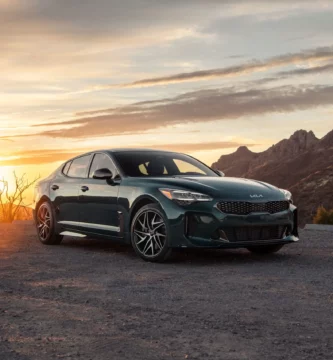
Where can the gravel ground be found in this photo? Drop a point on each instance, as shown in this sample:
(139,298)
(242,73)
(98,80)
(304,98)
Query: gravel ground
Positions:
(92,299)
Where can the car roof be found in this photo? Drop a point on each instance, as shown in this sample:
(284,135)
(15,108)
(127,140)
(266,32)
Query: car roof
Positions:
(137,149)
(121,150)
(127,150)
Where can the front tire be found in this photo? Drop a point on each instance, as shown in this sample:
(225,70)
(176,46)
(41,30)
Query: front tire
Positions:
(149,234)
(265,249)
(45,224)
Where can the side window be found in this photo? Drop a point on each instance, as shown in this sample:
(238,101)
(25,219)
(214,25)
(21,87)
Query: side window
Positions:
(101,161)
(79,167)
(66,167)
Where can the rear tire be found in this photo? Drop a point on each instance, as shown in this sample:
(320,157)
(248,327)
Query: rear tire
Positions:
(45,225)
(265,249)
(149,234)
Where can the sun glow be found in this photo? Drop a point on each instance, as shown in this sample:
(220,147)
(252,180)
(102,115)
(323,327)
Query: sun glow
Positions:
(4,173)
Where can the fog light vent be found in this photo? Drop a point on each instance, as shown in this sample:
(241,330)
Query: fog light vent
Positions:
(223,236)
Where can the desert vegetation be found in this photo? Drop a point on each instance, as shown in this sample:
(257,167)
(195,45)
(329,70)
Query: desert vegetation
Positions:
(12,201)
(323,216)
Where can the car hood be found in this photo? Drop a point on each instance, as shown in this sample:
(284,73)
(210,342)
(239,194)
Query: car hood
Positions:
(223,187)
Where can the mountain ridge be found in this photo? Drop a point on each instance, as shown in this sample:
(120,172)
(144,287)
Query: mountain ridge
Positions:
(302,164)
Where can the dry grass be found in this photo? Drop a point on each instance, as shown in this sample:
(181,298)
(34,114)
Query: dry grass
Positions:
(323,216)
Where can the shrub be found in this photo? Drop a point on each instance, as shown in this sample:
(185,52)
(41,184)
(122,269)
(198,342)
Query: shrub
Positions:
(323,216)
(12,205)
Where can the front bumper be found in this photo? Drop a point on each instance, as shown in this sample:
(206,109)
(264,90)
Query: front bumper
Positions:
(214,229)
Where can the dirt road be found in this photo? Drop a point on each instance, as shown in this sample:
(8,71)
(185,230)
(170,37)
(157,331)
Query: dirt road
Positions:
(91,299)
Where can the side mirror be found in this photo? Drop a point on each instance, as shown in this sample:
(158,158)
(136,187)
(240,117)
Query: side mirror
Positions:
(220,173)
(103,174)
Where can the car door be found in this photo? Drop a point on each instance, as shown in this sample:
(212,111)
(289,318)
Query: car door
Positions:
(99,200)
(66,190)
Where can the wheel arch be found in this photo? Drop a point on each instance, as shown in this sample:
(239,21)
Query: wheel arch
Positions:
(43,199)
(139,203)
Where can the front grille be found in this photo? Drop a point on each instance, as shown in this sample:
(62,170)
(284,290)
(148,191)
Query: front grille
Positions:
(245,208)
(253,233)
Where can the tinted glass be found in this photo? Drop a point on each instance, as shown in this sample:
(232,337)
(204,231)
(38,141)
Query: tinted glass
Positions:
(66,167)
(101,161)
(185,167)
(155,163)
(79,167)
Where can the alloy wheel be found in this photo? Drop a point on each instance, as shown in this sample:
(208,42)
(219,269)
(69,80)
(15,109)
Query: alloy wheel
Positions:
(44,222)
(149,233)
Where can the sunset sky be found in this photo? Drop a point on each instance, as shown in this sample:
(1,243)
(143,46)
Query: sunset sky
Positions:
(201,77)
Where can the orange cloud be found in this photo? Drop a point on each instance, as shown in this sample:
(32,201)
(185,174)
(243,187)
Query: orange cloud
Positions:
(41,156)
(52,155)
(308,71)
(318,54)
(198,106)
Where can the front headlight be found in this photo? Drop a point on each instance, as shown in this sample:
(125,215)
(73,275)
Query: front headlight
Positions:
(287,194)
(184,197)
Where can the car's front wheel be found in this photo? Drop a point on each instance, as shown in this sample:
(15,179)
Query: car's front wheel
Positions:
(45,224)
(265,249)
(149,234)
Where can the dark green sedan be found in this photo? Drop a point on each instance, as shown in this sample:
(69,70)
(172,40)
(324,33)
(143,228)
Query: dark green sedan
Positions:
(159,200)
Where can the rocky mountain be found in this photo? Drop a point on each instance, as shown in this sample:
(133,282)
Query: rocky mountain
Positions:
(302,164)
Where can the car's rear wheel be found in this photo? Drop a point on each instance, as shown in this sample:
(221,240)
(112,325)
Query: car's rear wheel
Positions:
(265,249)
(149,234)
(45,224)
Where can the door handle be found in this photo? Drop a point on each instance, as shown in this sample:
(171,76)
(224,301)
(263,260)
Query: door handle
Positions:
(54,187)
(84,188)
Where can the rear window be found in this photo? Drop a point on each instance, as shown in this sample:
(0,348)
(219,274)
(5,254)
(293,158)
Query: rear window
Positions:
(79,167)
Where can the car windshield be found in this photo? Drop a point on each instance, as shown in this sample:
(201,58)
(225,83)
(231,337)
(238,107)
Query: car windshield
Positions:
(156,163)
